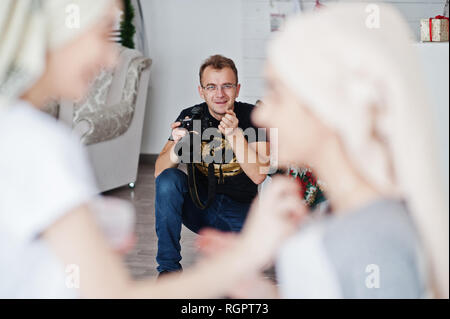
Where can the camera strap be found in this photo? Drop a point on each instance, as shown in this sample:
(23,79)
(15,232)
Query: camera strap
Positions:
(193,191)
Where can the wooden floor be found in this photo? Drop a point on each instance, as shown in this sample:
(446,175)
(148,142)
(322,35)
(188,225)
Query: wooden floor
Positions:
(141,260)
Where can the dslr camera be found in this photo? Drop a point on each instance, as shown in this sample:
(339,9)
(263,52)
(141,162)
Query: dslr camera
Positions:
(196,124)
(191,142)
(196,114)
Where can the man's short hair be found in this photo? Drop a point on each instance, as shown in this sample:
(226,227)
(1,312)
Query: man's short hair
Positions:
(218,62)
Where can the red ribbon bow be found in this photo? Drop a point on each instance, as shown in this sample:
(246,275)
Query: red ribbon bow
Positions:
(431,25)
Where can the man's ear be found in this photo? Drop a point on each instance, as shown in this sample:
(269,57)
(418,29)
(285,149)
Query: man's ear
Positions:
(238,89)
(200,92)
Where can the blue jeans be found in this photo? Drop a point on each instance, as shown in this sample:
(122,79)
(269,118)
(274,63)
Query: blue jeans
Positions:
(174,206)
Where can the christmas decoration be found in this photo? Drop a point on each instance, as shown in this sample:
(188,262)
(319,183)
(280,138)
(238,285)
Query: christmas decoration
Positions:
(127,28)
(318,5)
(434,29)
(311,188)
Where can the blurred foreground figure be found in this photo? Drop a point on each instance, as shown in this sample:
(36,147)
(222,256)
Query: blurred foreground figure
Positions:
(52,235)
(347,98)
(345,82)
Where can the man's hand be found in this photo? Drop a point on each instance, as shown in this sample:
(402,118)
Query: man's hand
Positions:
(167,158)
(229,124)
(178,133)
(246,156)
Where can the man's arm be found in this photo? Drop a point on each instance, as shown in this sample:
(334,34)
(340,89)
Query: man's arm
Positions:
(167,158)
(164,160)
(254,158)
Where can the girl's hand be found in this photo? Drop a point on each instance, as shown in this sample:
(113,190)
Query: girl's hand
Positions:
(254,285)
(212,241)
(127,245)
(272,218)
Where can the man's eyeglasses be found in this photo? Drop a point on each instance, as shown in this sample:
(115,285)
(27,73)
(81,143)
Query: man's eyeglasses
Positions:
(225,87)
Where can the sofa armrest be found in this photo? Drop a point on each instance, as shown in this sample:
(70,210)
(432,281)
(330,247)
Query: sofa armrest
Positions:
(66,112)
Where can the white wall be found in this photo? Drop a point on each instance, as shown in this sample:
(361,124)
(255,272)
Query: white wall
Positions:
(181,33)
(435,57)
(256,29)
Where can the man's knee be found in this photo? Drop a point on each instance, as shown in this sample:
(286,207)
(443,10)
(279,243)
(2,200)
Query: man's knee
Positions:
(170,181)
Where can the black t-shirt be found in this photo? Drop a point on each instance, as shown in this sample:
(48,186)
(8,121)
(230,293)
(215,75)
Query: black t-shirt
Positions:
(232,180)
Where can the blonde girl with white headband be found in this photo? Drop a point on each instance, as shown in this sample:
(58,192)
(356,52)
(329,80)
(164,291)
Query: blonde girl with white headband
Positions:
(352,93)
(52,49)
(347,97)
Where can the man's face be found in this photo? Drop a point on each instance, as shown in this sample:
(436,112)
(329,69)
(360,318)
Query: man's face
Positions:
(219,90)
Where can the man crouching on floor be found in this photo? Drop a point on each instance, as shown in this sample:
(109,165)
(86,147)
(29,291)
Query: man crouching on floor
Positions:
(236,180)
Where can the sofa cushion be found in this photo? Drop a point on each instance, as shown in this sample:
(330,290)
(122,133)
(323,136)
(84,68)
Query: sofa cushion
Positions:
(107,111)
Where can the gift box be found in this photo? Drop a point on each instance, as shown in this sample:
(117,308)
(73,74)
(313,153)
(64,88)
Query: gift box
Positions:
(434,29)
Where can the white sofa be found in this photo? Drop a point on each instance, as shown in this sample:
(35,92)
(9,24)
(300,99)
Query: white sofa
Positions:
(110,120)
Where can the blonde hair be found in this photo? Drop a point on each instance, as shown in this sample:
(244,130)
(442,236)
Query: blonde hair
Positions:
(28,29)
(364,82)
